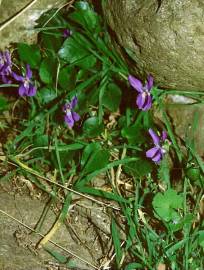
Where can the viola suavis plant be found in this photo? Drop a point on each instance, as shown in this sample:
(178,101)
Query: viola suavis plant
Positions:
(77,117)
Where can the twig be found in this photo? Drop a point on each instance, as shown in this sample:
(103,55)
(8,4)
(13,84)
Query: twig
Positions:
(17,15)
(106,264)
(52,242)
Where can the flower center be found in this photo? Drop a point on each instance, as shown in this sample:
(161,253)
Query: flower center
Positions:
(26,82)
(67,108)
(145,89)
(67,111)
(145,92)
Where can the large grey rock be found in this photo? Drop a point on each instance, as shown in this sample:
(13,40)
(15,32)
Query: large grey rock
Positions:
(20,30)
(166,37)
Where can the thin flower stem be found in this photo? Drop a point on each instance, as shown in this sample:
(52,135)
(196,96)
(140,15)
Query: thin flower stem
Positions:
(39,29)
(8,85)
(123,76)
(120,72)
(52,242)
(67,4)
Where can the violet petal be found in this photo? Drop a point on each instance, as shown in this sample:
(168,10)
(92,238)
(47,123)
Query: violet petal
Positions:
(141,100)
(74,102)
(22,90)
(5,79)
(75,116)
(31,91)
(164,135)
(154,136)
(8,57)
(135,83)
(152,152)
(17,77)
(1,60)
(157,158)
(150,82)
(66,107)
(28,72)
(69,119)
(148,103)
(66,33)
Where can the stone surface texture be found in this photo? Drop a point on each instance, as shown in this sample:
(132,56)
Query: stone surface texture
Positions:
(80,235)
(166,38)
(186,120)
(20,30)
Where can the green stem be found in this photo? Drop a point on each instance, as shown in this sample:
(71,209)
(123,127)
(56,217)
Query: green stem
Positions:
(8,85)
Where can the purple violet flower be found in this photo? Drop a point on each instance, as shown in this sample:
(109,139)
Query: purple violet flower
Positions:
(26,87)
(70,116)
(144,99)
(67,33)
(5,67)
(157,152)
